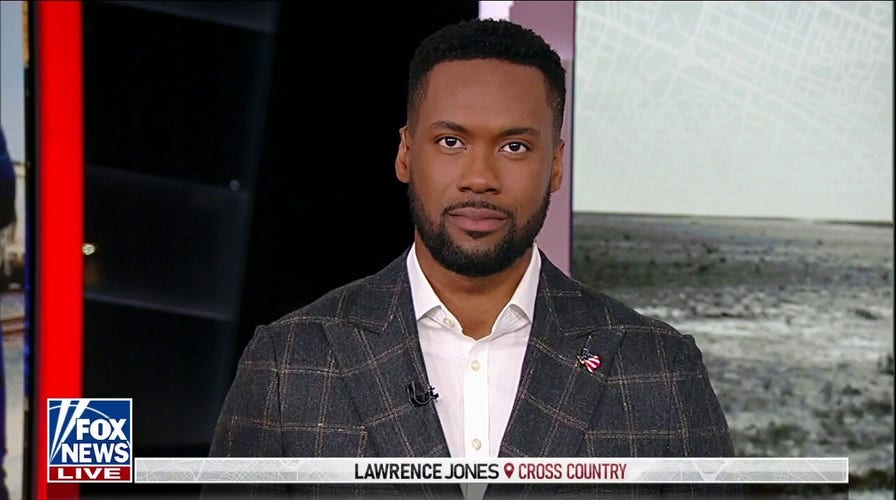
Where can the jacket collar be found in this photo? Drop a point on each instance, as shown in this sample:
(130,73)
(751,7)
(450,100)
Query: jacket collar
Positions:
(559,299)
(557,396)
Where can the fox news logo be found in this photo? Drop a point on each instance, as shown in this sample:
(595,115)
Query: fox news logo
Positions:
(89,440)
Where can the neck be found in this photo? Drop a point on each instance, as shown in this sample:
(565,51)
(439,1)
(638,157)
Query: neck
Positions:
(476,301)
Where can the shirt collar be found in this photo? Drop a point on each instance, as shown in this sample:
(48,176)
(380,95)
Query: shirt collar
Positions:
(425,298)
(422,294)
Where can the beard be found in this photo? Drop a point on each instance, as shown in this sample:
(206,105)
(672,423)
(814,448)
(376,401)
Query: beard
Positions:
(476,263)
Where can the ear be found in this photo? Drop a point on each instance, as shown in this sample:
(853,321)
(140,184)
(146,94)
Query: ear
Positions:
(557,166)
(402,169)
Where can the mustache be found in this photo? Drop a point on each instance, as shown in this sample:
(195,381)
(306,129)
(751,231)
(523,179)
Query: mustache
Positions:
(477,204)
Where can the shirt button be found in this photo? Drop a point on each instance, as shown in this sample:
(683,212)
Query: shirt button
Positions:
(448,322)
(475,365)
(476,444)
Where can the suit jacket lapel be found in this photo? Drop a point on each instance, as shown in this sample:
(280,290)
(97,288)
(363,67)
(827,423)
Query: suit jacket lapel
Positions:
(376,345)
(379,355)
(557,395)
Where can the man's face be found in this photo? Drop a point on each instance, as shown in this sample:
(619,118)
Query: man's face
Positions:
(481,163)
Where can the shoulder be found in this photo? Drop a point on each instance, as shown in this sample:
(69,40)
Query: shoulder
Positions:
(650,346)
(368,301)
(297,339)
(582,308)
(323,310)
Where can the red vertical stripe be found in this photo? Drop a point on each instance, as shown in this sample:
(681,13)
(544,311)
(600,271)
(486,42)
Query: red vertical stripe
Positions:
(59,169)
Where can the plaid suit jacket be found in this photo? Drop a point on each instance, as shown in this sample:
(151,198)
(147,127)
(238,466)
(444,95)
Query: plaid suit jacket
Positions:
(329,380)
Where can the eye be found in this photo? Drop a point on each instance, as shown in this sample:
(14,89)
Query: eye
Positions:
(515,147)
(450,142)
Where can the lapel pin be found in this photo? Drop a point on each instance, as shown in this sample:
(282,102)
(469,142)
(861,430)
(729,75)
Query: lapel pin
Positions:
(588,360)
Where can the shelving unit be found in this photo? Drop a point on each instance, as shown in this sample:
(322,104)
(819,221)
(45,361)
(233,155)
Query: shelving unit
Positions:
(175,102)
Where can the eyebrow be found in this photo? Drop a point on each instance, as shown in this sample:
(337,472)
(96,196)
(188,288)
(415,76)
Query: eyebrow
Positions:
(446,124)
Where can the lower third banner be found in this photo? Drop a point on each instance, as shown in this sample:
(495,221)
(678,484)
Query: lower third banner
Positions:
(499,470)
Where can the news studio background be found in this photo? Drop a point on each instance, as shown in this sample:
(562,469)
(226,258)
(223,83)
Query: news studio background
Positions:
(731,174)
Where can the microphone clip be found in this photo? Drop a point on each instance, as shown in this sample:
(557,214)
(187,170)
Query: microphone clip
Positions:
(419,396)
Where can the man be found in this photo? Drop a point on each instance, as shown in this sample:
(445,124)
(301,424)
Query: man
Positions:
(524,360)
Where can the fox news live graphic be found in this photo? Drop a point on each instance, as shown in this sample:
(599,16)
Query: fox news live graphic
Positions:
(89,440)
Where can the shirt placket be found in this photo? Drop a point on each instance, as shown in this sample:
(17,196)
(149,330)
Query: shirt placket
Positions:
(476,402)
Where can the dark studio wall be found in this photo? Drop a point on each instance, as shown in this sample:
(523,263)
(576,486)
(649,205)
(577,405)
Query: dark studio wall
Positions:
(239,164)
(329,208)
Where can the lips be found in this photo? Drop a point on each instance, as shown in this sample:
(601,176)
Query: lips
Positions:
(477,219)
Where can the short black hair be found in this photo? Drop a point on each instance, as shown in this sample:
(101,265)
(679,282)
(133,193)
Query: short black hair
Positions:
(488,39)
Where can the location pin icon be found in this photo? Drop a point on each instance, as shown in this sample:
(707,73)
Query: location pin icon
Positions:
(508,469)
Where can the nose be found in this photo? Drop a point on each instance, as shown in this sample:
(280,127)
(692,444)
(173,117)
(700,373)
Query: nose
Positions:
(479,175)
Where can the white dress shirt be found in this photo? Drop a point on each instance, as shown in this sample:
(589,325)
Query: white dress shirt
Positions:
(476,380)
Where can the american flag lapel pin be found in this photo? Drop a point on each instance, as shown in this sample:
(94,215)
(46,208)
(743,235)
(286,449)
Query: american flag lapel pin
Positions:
(590,361)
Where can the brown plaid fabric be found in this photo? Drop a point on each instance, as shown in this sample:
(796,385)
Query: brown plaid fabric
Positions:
(329,380)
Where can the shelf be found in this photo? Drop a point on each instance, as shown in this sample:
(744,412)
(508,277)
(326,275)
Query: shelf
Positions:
(171,96)
(132,298)
(258,15)
(158,359)
(164,243)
